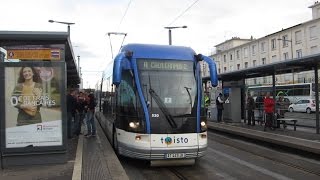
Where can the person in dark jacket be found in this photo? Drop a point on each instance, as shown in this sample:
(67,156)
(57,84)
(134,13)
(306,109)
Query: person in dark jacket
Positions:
(250,110)
(90,116)
(80,113)
(219,103)
(71,111)
(260,107)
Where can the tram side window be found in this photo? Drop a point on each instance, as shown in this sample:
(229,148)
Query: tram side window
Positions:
(129,107)
(127,97)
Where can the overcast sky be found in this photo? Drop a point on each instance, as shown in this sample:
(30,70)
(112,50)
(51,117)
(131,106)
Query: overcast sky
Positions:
(209,22)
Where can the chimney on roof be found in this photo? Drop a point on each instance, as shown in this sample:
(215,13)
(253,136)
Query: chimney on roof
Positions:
(315,10)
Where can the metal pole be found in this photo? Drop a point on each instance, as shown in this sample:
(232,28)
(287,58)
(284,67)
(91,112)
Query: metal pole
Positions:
(79,65)
(170,39)
(291,59)
(68,30)
(291,49)
(317,96)
(274,89)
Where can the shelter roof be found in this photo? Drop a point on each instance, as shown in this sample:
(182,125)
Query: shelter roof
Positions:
(17,38)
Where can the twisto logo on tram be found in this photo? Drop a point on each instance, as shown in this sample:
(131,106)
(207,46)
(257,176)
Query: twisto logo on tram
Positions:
(174,140)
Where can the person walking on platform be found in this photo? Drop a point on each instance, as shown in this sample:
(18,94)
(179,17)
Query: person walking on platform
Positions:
(219,102)
(90,116)
(269,111)
(250,110)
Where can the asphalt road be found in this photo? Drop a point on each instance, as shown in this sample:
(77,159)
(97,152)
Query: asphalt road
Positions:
(229,158)
(304,119)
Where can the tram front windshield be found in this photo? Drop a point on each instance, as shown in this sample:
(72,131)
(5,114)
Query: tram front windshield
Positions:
(170,90)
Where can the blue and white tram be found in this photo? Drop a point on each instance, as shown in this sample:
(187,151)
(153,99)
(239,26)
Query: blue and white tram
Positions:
(154,108)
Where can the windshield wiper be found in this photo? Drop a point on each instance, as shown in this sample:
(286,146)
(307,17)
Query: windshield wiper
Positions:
(163,108)
(190,99)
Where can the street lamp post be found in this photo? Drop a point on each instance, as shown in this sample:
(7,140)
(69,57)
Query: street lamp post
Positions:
(173,27)
(286,40)
(67,23)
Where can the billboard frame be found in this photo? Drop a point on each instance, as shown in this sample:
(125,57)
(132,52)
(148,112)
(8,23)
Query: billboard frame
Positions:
(62,86)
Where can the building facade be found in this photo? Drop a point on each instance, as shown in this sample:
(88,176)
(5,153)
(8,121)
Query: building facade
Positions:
(291,43)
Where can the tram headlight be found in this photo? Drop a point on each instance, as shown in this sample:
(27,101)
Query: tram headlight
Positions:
(203,125)
(134,125)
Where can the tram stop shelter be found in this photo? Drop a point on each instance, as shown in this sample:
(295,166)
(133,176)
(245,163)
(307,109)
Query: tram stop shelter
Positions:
(236,80)
(36,68)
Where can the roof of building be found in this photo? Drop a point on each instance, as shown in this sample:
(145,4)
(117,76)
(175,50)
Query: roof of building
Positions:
(266,36)
(281,67)
(17,38)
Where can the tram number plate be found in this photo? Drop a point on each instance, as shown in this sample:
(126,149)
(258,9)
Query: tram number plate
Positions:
(175,155)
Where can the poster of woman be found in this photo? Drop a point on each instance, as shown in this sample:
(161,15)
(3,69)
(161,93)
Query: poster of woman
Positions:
(32,104)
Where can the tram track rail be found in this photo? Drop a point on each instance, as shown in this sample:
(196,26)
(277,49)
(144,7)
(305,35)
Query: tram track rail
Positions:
(177,174)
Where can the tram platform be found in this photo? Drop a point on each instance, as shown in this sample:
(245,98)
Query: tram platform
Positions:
(302,139)
(89,158)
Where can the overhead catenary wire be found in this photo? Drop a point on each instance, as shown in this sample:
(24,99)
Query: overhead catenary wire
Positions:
(188,8)
(125,13)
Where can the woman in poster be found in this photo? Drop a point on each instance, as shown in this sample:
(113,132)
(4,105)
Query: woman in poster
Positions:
(27,96)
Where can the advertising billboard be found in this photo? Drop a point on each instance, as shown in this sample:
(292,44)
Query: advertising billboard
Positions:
(32,101)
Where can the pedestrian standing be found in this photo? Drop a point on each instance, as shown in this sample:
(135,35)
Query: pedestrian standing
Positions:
(269,111)
(219,103)
(71,110)
(90,116)
(260,107)
(250,110)
(80,112)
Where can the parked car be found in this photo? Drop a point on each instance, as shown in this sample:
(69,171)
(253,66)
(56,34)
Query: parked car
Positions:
(304,105)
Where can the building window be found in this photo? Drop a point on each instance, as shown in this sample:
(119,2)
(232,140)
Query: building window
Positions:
(285,41)
(273,44)
(263,61)
(264,80)
(313,32)
(238,66)
(238,54)
(231,68)
(225,69)
(245,52)
(298,37)
(254,63)
(314,49)
(246,65)
(219,70)
(230,57)
(299,53)
(263,46)
(224,58)
(253,49)
(286,55)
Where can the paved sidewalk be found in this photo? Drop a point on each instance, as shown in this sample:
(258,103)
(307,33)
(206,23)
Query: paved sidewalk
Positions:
(44,172)
(90,158)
